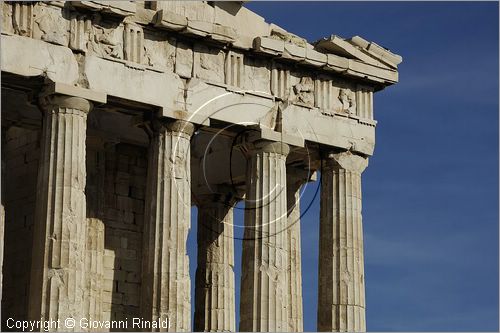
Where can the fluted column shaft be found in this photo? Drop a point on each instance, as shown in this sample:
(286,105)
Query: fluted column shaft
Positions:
(341,297)
(58,265)
(264,287)
(215,294)
(295,179)
(165,280)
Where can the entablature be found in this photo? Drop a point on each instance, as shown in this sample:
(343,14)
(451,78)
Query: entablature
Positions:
(197,60)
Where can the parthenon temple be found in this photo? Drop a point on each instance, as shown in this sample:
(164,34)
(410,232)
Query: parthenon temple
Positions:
(119,117)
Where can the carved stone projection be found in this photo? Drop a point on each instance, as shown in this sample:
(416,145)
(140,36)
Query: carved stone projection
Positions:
(133,38)
(209,63)
(22,18)
(106,39)
(159,50)
(79,32)
(304,92)
(234,69)
(280,82)
(101,206)
(347,101)
(364,97)
(49,25)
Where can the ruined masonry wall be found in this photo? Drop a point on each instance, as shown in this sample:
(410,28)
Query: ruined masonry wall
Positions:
(21,153)
(123,215)
(121,170)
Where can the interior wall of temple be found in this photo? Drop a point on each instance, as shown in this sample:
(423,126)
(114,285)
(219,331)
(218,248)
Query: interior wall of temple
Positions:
(21,154)
(116,184)
(122,215)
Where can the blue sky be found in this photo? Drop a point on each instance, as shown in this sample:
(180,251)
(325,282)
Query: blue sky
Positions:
(430,193)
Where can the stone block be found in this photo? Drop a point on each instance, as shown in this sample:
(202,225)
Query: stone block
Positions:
(157,89)
(107,285)
(50,25)
(121,189)
(294,52)
(109,261)
(117,298)
(124,203)
(337,63)
(199,28)
(209,63)
(106,308)
(137,206)
(159,51)
(184,60)
(315,58)
(224,34)
(106,315)
(130,265)
(170,20)
(269,45)
(127,254)
(131,299)
(133,277)
(32,57)
(127,217)
(127,288)
(112,214)
(137,192)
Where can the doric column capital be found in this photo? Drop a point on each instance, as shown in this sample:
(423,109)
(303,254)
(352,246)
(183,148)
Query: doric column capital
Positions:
(267,146)
(65,104)
(345,160)
(252,143)
(172,125)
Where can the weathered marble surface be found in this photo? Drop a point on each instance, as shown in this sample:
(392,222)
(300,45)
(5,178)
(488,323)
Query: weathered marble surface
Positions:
(166,284)
(215,286)
(158,75)
(125,56)
(58,266)
(264,286)
(341,290)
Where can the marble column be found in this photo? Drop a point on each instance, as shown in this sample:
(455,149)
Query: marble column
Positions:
(58,265)
(341,295)
(165,273)
(215,293)
(295,179)
(264,287)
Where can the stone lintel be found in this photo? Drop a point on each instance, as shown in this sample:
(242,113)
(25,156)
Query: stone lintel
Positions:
(186,116)
(174,125)
(269,134)
(117,8)
(57,88)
